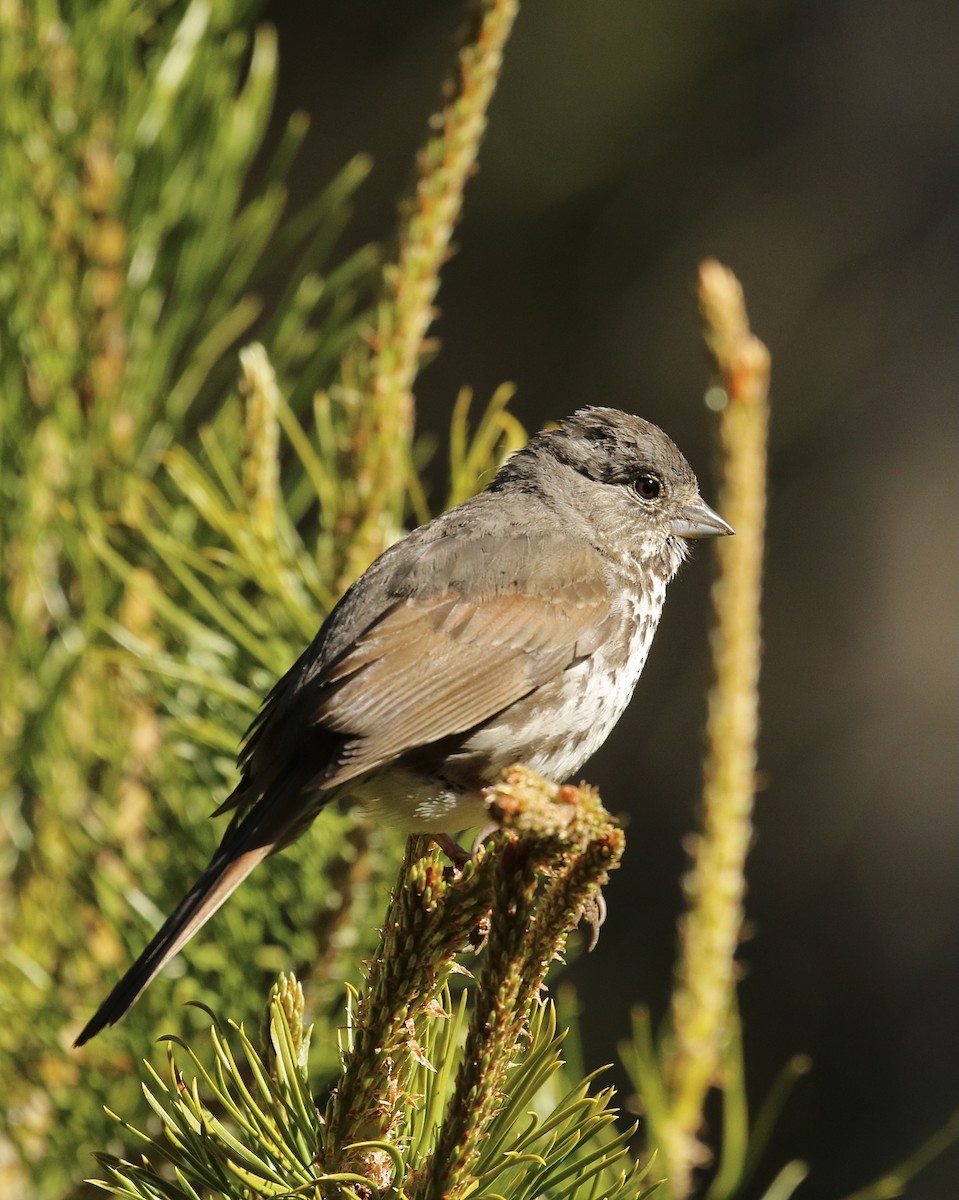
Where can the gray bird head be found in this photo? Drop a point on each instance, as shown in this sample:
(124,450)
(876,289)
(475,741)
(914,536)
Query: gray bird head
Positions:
(621,476)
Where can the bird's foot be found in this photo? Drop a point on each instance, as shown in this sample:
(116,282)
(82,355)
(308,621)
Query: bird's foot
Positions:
(452,849)
(592,915)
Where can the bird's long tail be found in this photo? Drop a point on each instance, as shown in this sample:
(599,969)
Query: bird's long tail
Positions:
(231,864)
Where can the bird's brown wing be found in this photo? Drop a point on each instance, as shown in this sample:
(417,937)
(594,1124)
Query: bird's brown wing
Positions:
(436,665)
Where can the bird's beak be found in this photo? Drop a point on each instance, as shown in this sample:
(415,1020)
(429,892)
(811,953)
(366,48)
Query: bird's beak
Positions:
(697,520)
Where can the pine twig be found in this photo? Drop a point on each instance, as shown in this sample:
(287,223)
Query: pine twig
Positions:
(410,284)
(525,890)
(710,929)
(546,881)
(431,918)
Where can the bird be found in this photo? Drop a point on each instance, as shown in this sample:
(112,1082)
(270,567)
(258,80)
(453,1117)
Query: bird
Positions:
(512,628)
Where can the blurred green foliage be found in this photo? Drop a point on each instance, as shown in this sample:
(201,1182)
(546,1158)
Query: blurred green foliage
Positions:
(141,510)
(245,1123)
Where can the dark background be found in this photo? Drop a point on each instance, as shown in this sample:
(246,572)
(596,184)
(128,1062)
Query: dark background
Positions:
(814,147)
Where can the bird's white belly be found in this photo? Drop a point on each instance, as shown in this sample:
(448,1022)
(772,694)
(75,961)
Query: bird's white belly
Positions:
(560,725)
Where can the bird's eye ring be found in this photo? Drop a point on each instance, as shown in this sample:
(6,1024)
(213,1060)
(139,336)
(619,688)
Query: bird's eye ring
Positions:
(646,486)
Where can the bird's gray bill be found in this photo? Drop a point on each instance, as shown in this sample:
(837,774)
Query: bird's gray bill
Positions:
(699,521)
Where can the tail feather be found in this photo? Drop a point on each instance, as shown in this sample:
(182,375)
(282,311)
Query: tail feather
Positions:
(227,870)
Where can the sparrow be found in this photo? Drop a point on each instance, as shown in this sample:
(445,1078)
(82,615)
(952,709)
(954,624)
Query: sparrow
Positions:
(513,628)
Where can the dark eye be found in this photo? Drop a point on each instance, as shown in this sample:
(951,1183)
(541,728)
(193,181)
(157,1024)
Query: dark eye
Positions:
(646,486)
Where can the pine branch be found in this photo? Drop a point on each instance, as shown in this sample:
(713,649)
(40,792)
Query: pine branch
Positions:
(411,281)
(710,930)
(403,1115)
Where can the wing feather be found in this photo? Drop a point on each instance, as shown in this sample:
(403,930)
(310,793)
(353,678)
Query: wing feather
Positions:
(431,668)
(428,648)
